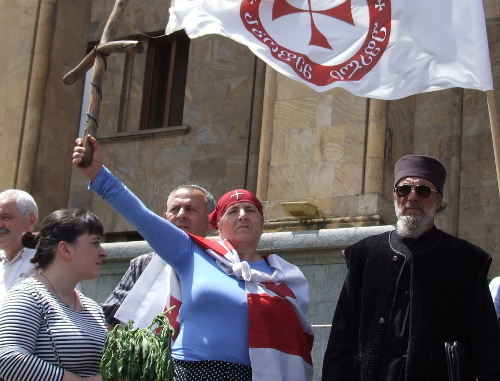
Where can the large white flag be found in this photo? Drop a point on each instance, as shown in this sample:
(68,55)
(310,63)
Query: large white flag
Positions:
(385,49)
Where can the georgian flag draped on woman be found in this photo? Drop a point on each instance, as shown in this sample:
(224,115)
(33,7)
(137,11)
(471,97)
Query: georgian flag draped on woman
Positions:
(382,49)
(280,337)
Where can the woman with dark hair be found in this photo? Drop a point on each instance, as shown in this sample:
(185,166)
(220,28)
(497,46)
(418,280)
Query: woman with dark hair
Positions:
(49,331)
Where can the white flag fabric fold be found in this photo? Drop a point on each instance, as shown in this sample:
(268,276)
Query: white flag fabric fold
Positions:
(385,49)
(156,290)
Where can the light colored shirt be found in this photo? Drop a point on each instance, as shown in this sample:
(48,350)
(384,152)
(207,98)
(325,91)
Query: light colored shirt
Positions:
(495,294)
(14,271)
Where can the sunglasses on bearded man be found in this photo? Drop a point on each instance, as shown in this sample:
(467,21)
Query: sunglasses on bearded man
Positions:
(422,190)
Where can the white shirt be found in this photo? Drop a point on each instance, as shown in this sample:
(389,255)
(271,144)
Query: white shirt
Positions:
(495,293)
(13,272)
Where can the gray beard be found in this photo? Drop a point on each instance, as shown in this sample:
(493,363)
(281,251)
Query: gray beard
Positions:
(412,227)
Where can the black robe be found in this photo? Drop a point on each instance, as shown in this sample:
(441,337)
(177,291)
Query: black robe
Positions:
(401,301)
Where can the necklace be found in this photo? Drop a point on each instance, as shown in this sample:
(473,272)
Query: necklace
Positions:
(55,292)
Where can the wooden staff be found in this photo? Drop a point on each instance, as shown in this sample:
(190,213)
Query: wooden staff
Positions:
(495,134)
(97,59)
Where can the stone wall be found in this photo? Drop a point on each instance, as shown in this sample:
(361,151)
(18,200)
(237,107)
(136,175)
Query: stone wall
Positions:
(244,126)
(42,41)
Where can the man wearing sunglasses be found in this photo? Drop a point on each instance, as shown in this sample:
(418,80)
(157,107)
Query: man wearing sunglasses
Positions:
(409,291)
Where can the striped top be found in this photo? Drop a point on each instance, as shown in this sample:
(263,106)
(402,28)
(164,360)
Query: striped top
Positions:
(40,337)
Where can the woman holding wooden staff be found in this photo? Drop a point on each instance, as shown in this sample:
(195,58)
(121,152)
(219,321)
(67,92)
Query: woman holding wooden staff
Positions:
(243,315)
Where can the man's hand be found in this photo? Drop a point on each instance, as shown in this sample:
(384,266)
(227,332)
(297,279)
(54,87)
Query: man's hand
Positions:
(78,153)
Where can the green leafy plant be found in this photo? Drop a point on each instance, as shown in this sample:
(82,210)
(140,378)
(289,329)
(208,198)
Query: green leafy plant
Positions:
(140,354)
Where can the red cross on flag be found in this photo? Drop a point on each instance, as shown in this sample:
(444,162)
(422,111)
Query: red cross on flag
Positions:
(385,49)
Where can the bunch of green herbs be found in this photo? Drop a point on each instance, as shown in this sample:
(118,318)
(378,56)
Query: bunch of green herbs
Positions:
(139,354)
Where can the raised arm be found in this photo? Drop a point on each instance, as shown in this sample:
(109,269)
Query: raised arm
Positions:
(169,242)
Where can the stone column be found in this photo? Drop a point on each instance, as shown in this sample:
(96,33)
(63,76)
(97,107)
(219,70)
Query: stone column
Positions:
(266,133)
(36,91)
(375,146)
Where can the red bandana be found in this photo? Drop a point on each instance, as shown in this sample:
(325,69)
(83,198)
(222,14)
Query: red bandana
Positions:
(230,198)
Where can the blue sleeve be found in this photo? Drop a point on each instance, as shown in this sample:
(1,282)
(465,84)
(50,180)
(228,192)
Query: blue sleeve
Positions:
(169,242)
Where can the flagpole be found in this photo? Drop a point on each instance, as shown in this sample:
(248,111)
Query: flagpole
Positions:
(490,99)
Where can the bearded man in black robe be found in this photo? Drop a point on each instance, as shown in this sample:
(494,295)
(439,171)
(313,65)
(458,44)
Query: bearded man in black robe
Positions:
(409,291)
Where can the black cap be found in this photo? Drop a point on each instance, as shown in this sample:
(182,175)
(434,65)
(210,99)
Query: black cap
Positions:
(423,166)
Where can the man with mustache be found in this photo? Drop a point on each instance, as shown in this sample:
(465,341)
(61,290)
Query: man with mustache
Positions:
(409,291)
(188,207)
(18,214)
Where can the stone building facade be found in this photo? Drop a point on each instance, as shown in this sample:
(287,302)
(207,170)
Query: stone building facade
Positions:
(241,125)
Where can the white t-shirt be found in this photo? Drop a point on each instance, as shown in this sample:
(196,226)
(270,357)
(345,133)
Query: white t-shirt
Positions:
(15,271)
(495,293)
